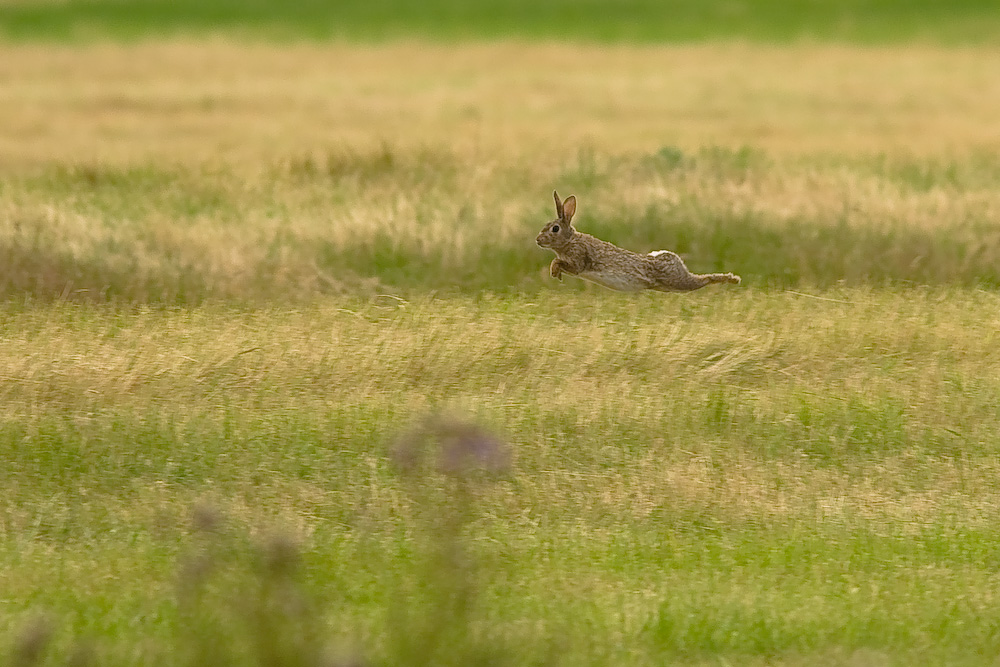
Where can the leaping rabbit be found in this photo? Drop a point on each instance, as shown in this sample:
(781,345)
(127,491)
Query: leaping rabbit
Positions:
(598,261)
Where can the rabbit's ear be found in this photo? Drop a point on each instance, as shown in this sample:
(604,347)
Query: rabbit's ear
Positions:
(569,208)
(559,204)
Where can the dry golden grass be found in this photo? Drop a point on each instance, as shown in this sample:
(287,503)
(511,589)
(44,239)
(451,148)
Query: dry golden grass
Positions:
(195,102)
(185,171)
(619,345)
(736,400)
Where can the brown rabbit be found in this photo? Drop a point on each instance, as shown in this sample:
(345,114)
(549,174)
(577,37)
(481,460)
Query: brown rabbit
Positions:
(583,255)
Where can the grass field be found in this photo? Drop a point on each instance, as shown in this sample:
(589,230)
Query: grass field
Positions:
(284,380)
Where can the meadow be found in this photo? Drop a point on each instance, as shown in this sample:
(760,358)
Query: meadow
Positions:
(285,380)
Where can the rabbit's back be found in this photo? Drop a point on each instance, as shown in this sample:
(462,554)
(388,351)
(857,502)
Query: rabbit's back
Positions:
(614,267)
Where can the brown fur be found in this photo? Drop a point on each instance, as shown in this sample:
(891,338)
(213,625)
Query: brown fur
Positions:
(583,255)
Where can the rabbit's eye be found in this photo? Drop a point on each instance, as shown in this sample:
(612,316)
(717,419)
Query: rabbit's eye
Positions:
(555,228)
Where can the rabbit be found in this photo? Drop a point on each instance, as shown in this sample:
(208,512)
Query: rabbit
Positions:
(598,261)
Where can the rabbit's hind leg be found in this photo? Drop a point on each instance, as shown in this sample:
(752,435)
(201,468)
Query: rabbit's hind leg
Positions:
(671,274)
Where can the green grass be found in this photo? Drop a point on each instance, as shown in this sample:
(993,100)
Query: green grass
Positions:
(868,21)
(747,475)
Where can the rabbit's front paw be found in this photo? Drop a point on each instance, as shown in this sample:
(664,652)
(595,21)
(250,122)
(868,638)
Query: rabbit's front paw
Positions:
(556,269)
